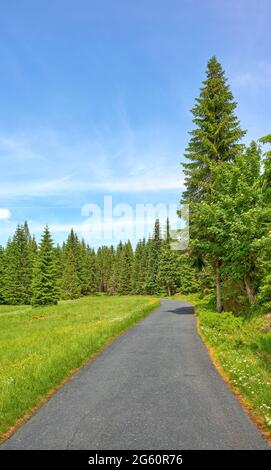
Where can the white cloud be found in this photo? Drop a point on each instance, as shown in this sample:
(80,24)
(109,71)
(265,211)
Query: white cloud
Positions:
(166,182)
(4,214)
(67,185)
(34,188)
(37,165)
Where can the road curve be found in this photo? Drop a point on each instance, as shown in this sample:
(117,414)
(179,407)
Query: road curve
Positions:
(153,388)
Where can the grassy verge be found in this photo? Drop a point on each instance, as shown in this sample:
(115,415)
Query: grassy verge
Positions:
(243,353)
(40,348)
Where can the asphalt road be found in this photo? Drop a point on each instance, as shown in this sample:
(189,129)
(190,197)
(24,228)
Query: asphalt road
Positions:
(153,388)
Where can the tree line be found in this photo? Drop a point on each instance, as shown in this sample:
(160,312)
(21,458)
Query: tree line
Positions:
(42,274)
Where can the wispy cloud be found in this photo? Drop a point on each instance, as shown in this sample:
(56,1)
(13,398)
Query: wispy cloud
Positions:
(68,186)
(34,188)
(167,182)
(48,164)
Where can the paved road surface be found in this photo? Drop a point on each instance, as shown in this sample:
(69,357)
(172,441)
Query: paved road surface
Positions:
(153,388)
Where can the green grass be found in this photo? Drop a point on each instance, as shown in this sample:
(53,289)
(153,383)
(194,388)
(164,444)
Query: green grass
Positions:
(41,347)
(243,352)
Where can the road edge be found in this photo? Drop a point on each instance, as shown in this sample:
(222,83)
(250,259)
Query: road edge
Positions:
(223,374)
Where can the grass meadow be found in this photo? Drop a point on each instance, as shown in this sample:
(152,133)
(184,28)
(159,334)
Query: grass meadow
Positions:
(242,351)
(41,347)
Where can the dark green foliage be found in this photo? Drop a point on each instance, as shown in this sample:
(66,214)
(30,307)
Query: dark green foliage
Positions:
(91,272)
(125,269)
(168,272)
(44,283)
(70,283)
(153,248)
(188,275)
(106,277)
(140,268)
(18,269)
(59,255)
(72,271)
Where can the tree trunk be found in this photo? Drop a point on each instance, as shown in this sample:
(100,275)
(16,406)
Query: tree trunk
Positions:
(249,291)
(218,290)
(169,291)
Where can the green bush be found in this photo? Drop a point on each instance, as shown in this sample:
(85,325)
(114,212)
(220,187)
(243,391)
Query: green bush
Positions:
(224,322)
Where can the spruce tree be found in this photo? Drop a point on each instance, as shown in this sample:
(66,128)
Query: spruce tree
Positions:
(167,234)
(88,270)
(139,268)
(112,282)
(18,269)
(105,268)
(125,269)
(217,135)
(44,283)
(168,270)
(59,255)
(70,282)
(92,271)
(83,270)
(153,249)
(26,231)
(71,276)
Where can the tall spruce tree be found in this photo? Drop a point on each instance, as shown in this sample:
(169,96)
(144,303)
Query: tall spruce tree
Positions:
(215,141)
(44,283)
(217,135)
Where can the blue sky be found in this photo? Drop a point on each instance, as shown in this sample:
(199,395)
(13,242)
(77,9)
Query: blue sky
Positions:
(95,98)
